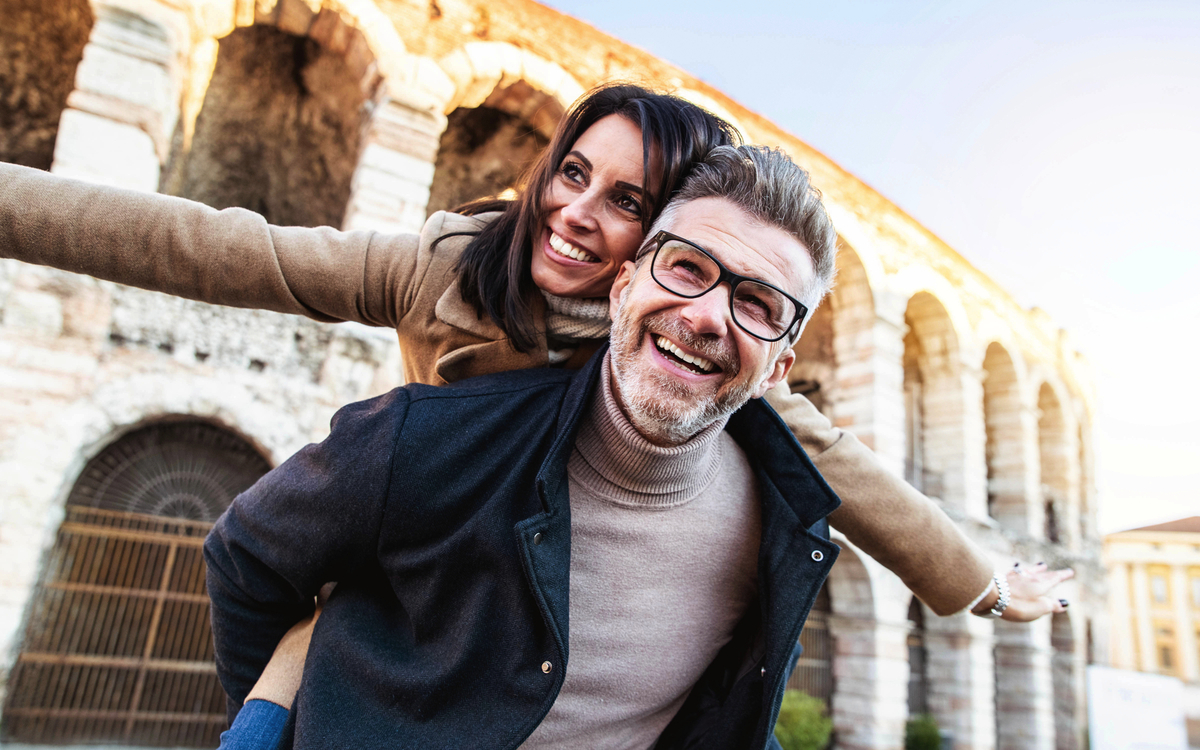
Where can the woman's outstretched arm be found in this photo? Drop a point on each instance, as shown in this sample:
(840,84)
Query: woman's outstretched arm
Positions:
(885,516)
(231,257)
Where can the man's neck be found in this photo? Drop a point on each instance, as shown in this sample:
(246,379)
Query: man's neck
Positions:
(653,432)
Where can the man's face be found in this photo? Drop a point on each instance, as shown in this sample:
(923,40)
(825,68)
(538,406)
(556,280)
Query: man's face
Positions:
(657,336)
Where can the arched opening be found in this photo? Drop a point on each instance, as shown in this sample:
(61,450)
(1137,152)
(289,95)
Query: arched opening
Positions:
(1054,453)
(1087,521)
(117,646)
(483,153)
(857,658)
(278,132)
(932,400)
(851,308)
(41,44)
(814,671)
(1004,451)
(813,372)
(1062,642)
(918,661)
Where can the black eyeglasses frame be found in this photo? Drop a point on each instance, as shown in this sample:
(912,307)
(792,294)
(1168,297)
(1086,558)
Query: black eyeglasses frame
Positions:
(660,238)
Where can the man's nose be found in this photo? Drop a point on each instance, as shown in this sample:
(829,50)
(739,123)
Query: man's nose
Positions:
(582,212)
(709,313)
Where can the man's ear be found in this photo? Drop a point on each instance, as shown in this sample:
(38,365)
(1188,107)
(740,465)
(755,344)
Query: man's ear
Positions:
(624,278)
(783,366)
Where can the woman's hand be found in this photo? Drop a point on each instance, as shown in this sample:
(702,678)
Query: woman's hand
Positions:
(1031,593)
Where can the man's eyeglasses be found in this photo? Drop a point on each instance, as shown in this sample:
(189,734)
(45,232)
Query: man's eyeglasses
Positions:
(688,270)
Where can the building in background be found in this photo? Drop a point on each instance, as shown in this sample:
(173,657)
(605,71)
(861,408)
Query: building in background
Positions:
(370,115)
(1154,605)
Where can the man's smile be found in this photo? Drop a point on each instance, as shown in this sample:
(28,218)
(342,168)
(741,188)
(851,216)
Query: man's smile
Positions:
(677,356)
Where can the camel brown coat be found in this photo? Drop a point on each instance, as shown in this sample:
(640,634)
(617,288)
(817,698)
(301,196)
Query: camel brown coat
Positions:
(234,257)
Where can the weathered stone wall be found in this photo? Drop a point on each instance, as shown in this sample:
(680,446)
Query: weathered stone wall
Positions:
(483,152)
(278,132)
(41,43)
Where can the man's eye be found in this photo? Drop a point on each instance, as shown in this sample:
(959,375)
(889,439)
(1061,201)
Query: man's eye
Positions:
(755,308)
(686,267)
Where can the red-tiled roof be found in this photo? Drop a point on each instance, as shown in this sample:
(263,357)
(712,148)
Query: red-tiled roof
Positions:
(1190,525)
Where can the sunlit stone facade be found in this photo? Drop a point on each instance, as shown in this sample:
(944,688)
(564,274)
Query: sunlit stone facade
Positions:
(354,113)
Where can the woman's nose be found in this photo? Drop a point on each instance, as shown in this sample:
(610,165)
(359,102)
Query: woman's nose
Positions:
(581,213)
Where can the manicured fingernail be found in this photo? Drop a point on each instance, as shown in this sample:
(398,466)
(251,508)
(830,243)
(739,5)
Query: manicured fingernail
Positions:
(1016,565)
(1041,563)
(1064,602)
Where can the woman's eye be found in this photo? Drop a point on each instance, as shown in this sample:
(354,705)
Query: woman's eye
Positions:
(630,204)
(573,172)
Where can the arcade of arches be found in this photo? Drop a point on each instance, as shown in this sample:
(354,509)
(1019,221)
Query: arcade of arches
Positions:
(365,115)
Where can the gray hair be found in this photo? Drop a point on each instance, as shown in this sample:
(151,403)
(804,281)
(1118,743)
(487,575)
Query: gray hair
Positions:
(769,186)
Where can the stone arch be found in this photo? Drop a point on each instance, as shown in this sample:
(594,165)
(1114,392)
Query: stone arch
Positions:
(1024,715)
(856,649)
(918,660)
(483,72)
(813,372)
(1065,678)
(1087,481)
(1057,455)
(506,105)
(118,625)
(41,44)
(863,362)
(1004,420)
(933,399)
(58,452)
(280,125)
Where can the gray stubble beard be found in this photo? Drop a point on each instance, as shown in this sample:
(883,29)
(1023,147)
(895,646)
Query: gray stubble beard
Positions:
(658,406)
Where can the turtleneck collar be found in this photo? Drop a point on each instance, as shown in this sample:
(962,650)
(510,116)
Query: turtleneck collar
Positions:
(622,466)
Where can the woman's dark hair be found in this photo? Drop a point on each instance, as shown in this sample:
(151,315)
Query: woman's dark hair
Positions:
(494,269)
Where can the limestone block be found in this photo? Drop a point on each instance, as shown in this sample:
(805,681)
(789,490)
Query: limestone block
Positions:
(435,81)
(34,313)
(117,74)
(295,17)
(386,161)
(102,151)
(546,76)
(130,33)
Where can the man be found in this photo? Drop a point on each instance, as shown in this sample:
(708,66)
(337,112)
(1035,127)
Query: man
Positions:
(615,557)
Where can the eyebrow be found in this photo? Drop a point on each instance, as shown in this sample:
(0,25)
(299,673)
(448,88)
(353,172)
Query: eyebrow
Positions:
(623,185)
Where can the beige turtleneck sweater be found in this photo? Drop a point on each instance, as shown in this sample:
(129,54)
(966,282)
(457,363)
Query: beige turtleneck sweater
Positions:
(664,552)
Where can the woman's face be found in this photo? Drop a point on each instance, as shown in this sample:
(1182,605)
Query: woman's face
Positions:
(594,210)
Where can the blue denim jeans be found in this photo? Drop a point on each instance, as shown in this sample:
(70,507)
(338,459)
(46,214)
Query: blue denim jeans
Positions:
(258,726)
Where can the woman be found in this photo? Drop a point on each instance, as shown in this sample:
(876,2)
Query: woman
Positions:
(504,285)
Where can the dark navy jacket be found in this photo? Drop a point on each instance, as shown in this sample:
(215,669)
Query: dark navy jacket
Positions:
(443,513)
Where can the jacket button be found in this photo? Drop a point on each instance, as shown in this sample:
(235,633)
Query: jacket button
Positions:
(818,555)
(537,539)
(764,671)
(546,667)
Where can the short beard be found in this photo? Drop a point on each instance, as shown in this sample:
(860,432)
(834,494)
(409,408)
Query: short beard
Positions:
(663,409)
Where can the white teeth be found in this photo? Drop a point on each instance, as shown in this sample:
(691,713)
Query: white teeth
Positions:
(703,364)
(566,249)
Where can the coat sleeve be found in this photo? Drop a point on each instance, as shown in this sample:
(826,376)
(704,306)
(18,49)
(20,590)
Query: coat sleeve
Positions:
(231,257)
(886,517)
(315,518)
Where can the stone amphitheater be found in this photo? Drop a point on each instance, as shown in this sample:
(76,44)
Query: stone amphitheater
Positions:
(371,114)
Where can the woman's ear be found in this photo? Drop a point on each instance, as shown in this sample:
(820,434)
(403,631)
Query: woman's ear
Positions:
(624,278)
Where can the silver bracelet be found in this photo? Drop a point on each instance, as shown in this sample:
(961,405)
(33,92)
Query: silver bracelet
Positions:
(1002,602)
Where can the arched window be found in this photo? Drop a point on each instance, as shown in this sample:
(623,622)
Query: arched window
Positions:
(117,647)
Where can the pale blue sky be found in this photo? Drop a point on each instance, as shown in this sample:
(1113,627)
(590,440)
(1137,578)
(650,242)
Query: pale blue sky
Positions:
(1055,145)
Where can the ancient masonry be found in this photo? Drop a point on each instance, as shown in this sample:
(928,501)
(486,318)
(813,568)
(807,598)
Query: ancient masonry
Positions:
(369,114)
